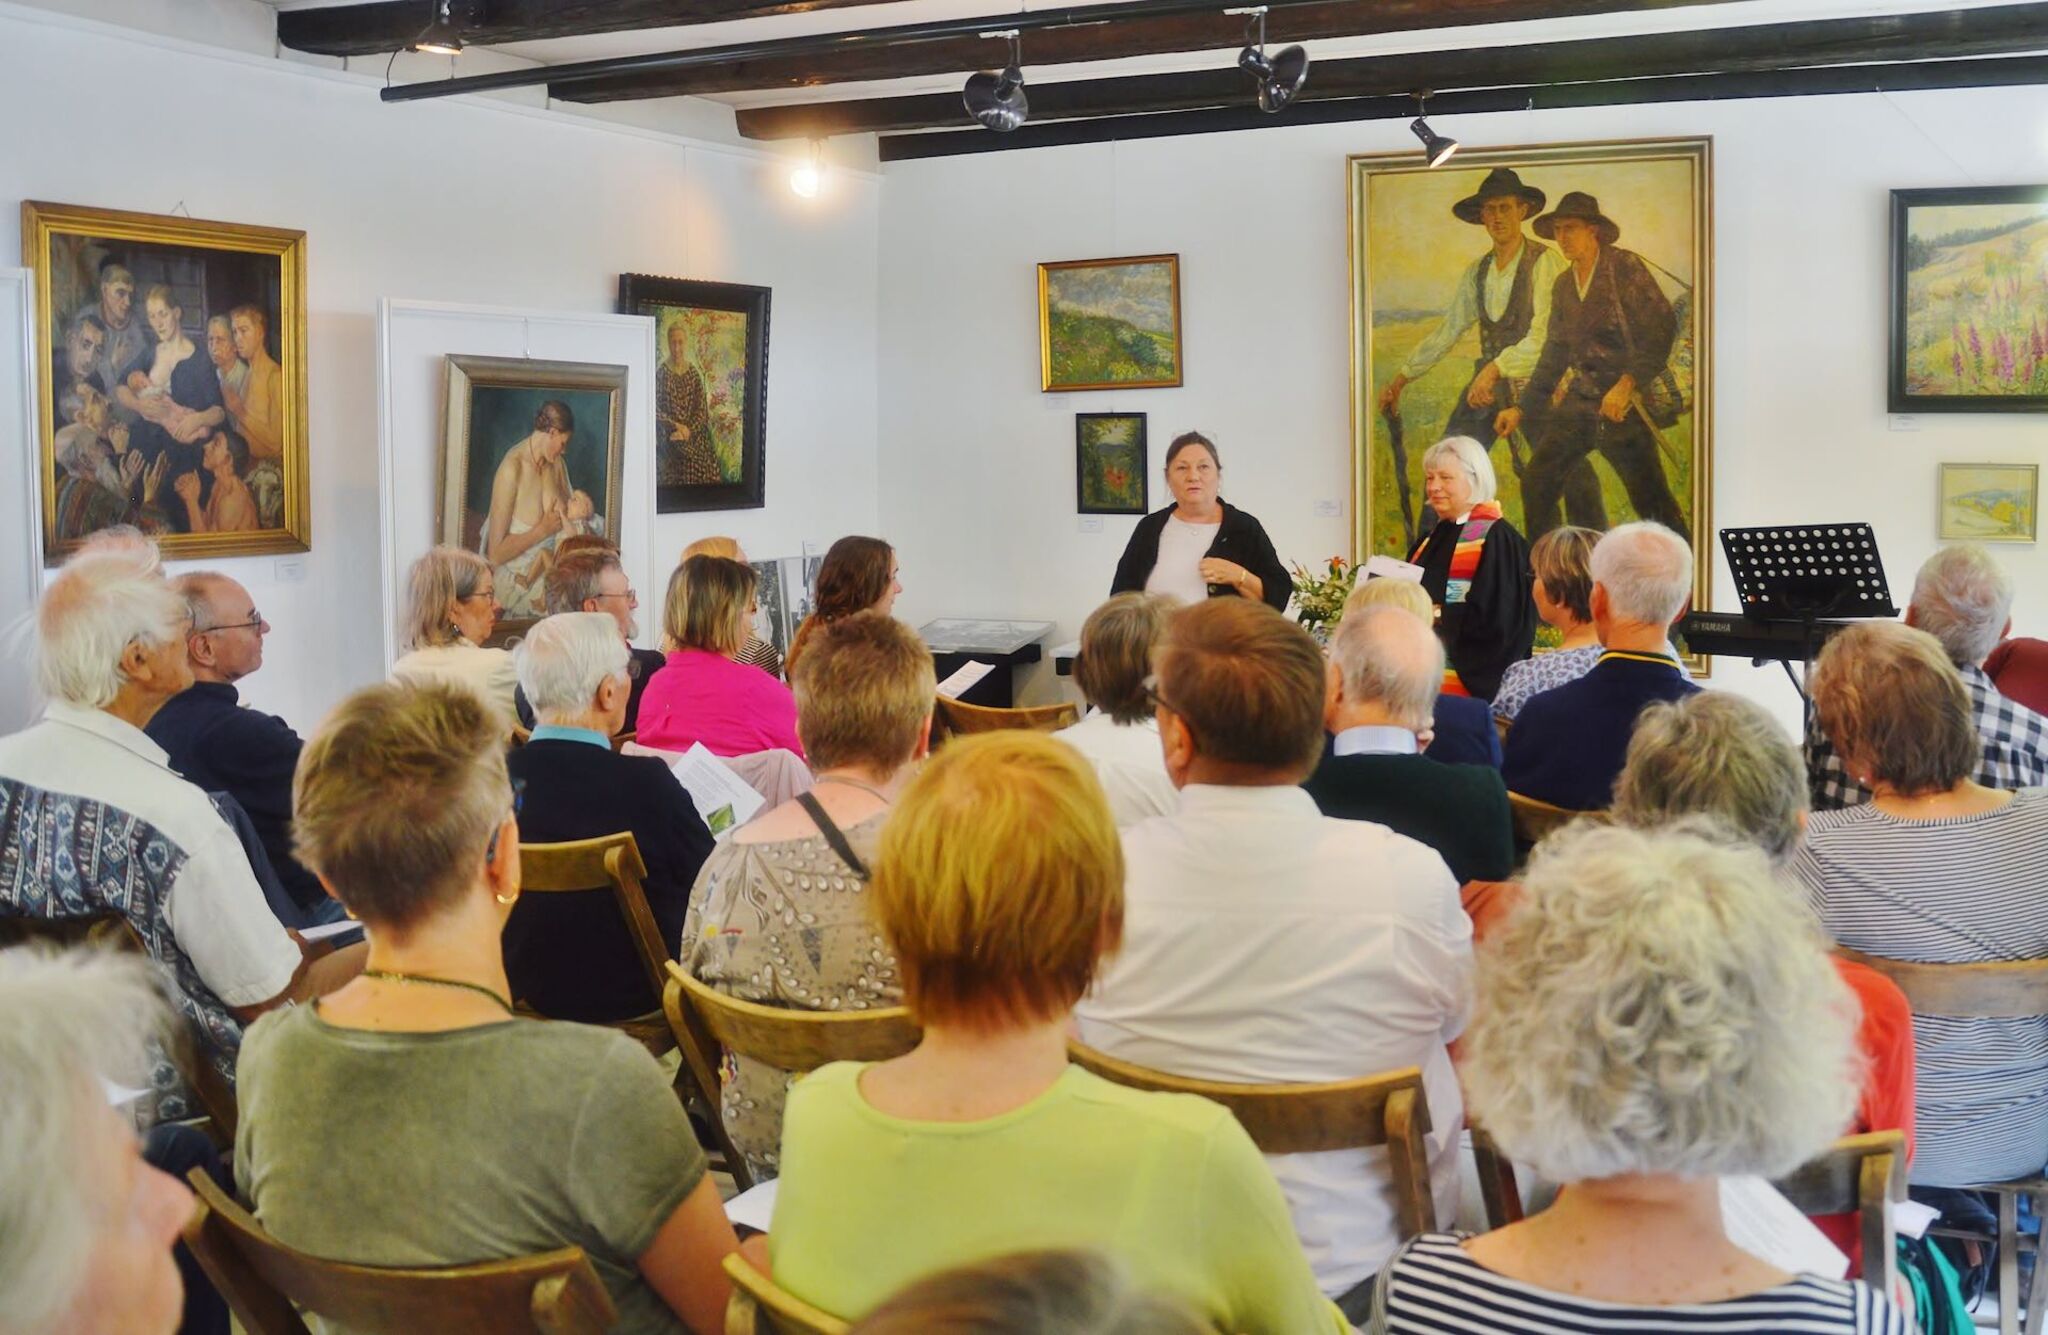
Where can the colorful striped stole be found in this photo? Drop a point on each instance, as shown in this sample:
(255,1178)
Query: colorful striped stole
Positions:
(1465,565)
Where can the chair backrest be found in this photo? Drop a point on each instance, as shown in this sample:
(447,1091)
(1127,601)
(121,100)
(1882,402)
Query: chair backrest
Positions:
(554,1293)
(521,734)
(958,716)
(1989,989)
(1860,1175)
(621,740)
(1388,1109)
(1535,818)
(611,862)
(1499,1193)
(758,1307)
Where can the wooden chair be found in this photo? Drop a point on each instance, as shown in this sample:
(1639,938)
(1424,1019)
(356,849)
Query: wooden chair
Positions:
(1989,990)
(1501,726)
(1499,1193)
(708,1024)
(759,1307)
(609,862)
(621,740)
(521,735)
(1860,1175)
(1535,818)
(554,1293)
(1389,1109)
(958,718)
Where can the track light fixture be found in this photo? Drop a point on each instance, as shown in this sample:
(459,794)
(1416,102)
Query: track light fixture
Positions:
(1436,148)
(997,100)
(440,37)
(1280,78)
(806,179)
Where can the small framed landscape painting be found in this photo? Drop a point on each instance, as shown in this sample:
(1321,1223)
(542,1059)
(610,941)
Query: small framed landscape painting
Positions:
(710,390)
(1989,502)
(1969,313)
(531,454)
(1109,463)
(1109,324)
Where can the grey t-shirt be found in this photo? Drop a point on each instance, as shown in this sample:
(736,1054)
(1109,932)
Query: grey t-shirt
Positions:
(476,1144)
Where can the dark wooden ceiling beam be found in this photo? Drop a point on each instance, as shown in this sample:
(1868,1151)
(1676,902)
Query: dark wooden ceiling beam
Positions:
(1771,47)
(1104,41)
(387,25)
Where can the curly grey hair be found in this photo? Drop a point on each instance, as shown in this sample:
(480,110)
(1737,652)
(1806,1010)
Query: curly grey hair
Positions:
(1719,755)
(1659,1003)
(1963,599)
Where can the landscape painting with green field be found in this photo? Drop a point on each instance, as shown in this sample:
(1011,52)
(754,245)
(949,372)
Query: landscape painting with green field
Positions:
(1970,327)
(1110,324)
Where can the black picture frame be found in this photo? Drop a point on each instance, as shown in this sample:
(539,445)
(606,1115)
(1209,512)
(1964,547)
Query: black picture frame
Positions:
(1917,337)
(653,295)
(1093,493)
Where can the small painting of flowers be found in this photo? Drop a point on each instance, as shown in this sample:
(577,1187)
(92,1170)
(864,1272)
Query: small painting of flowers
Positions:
(1970,300)
(1989,502)
(1109,463)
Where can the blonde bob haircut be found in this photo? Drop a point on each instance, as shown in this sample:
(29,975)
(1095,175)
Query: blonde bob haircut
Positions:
(1000,882)
(1117,641)
(396,797)
(1405,594)
(1889,696)
(1659,1003)
(716,545)
(441,578)
(864,693)
(707,604)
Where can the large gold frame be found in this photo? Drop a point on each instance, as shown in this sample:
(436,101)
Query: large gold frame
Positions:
(1180,356)
(1359,171)
(40,222)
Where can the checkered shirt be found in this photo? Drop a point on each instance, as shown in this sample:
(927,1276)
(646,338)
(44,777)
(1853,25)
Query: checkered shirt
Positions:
(2015,748)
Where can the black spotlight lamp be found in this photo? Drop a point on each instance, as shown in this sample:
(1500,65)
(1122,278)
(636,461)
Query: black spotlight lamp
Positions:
(1281,76)
(443,34)
(997,100)
(1436,149)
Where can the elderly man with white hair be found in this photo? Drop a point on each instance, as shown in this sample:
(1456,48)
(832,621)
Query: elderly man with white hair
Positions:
(1383,675)
(571,956)
(1475,568)
(96,821)
(1568,744)
(1963,599)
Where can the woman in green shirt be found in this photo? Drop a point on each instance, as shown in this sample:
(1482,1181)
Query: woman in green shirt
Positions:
(1000,885)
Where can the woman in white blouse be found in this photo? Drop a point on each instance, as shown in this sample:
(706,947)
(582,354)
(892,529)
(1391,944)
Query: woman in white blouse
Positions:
(451,609)
(1201,546)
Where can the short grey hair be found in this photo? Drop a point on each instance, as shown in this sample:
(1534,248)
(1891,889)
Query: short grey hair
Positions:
(1714,754)
(1659,1002)
(74,1020)
(123,538)
(1472,455)
(1647,571)
(566,657)
(99,604)
(1387,654)
(1963,599)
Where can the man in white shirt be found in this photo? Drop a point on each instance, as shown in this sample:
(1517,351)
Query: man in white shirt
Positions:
(1267,943)
(1120,738)
(96,820)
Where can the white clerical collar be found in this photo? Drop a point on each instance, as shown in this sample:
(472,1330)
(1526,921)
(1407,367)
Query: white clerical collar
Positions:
(1375,739)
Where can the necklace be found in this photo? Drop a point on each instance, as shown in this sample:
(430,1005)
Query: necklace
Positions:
(856,783)
(392,976)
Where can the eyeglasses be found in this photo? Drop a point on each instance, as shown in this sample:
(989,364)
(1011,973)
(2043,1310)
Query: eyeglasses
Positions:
(486,594)
(631,596)
(1150,686)
(518,801)
(255,620)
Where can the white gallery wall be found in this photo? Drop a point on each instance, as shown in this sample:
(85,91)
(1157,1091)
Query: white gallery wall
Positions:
(977,473)
(468,201)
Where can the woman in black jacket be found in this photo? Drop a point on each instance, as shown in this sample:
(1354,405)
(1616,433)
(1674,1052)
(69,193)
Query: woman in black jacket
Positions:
(1201,546)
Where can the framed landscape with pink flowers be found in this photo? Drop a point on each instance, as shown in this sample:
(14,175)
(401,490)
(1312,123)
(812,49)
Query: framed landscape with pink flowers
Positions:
(1109,463)
(1970,300)
(710,390)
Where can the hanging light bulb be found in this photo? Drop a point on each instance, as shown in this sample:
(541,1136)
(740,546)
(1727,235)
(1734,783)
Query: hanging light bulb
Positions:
(1436,149)
(441,37)
(997,100)
(808,176)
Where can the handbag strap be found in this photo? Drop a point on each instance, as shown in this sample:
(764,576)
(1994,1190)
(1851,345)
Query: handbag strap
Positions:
(833,835)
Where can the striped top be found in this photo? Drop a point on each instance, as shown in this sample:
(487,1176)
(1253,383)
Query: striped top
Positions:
(1950,891)
(1435,1286)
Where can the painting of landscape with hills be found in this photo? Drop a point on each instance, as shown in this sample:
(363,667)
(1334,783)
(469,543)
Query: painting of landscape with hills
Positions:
(1988,502)
(1970,300)
(1109,324)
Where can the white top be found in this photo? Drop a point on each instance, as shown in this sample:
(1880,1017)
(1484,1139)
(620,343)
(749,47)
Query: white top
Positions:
(1518,360)
(215,908)
(1375,739)
(488,672)
(1129,762)
(1178,571)
(1265,942)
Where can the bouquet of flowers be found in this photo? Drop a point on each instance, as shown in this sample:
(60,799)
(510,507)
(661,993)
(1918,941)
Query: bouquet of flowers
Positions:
(1319,598)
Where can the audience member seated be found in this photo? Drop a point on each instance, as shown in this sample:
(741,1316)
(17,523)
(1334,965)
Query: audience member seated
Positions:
(86,1226)
(1385,668)
(1563,594)
(572,956)
(1461,730)
(1120,737)
(857,575)
(222,747)
(1033,1293)
(705,694)
(1657,1013)
(96,822)
(999,887)
(1568,743)
(780,912)
(1265,942)
(409,1119)
(1962,599)
(2019,668)
(451,609)
(1939,868)
(756,652)
(592,580)
(1718,755)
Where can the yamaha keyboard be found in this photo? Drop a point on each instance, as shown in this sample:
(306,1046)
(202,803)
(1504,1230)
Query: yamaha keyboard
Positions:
(1732,635)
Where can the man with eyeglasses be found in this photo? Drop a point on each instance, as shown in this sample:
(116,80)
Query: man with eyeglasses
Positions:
(590,579)
(225,748)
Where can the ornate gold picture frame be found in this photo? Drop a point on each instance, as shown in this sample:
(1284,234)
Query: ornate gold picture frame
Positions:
(1109,324)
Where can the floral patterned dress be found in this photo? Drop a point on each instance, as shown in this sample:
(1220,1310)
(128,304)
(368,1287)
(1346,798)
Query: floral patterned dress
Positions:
(784,924)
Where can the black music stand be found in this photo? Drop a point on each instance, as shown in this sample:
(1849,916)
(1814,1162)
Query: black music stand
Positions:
(1807,573)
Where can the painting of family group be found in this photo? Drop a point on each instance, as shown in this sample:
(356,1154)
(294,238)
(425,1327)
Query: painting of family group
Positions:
(1551,303)
(173,390)
(710,386)
(1970,300)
